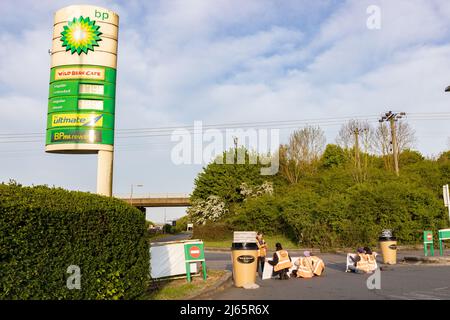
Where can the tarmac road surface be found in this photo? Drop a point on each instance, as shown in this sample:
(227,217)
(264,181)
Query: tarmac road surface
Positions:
(399,282)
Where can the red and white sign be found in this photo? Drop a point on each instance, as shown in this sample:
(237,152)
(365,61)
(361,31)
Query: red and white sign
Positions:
(80,73)
(429,237)
(194,252)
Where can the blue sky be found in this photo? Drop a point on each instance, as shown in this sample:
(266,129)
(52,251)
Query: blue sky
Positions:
(227,61)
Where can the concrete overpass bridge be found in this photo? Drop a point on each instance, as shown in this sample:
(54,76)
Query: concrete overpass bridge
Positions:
(156,199)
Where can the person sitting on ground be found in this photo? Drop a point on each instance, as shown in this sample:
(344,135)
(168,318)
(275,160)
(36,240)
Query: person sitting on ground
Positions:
(318,264)
(361,262)
(309,266)
(281,262)
(262,252)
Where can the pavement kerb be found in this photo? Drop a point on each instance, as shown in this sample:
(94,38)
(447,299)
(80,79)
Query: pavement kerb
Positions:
(427,260)
(223,283)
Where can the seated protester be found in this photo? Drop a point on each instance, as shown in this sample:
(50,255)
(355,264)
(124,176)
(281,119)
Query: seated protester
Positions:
(309,266)
(318,265)
(281,262)
(305,267)
(360,262)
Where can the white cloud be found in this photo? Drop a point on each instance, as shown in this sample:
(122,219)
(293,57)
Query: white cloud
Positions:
(231,61)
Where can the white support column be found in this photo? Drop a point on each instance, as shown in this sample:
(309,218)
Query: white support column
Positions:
(105,172)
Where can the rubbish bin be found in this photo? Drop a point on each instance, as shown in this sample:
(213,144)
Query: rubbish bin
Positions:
(388,245)
(245,262)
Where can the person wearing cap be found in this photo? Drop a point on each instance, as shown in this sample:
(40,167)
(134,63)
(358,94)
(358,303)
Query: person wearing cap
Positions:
(309,266)
(281,262)
(262,251)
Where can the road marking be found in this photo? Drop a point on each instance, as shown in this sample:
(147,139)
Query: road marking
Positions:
(399,297)
(424,296)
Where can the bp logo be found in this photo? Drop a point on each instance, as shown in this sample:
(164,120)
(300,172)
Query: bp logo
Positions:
(80,35)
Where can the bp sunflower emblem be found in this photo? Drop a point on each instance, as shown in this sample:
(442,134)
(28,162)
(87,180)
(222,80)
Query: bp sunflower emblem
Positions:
(80,35)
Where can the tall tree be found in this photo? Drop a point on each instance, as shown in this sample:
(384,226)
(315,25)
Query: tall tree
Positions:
(301,155)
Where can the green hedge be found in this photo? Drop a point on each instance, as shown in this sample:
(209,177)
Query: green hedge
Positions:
(346,216)
(45,230)
(212,231)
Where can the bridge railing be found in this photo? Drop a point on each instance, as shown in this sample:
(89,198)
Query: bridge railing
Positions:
(152,195)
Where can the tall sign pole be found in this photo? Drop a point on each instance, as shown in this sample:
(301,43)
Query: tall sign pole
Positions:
(81,104)
(446,195)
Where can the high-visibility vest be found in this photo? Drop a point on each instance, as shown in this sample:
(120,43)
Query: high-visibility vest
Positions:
(261,248)
(363,263)
(305,268)
(371,262)
(283,260)
(318,265)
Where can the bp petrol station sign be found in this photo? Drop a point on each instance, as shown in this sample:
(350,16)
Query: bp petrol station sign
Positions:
(81,104)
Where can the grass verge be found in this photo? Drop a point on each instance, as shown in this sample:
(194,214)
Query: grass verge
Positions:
(154,237)
(180,289)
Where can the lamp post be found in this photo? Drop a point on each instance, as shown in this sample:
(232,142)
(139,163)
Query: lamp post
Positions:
(131,194)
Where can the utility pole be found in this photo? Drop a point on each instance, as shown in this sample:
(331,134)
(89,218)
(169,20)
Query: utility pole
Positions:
(356,132)
(393,117)
(235,141)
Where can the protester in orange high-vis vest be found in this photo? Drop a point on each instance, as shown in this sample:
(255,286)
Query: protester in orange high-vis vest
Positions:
(364,263)
(262,252)
(304,268)
(317,263)
(281,262)
(309,266)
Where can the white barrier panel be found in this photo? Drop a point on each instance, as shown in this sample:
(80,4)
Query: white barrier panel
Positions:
(168,259)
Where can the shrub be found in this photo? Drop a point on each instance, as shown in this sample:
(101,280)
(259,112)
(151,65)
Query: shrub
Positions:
(45,230)
(211,209)
(167,228)
(329,211)
(181,225)
(212,231)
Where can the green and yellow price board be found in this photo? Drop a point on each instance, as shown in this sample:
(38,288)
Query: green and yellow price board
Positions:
(81,104)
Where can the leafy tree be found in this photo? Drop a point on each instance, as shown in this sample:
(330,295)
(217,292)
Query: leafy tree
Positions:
(408,157)
(301,155)
(444,157)
(333,156)
(226,180)
(211,209)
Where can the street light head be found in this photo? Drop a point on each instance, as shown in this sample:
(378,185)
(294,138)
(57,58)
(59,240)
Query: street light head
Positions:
(447,89)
